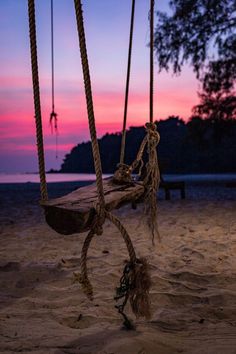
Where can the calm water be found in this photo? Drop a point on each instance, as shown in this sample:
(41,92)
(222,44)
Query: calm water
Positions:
(51,177)
(70,177)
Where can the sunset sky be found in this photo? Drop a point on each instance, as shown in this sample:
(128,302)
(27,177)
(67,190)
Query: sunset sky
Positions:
(107,30)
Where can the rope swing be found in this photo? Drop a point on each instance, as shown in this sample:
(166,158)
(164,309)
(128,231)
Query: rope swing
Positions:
(70,214)
(138,290)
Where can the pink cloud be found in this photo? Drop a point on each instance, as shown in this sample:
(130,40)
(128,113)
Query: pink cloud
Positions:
(17,126)
(8,82)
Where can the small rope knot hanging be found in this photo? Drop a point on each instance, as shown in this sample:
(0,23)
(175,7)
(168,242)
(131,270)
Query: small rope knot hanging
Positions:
(53,121)
(151,129)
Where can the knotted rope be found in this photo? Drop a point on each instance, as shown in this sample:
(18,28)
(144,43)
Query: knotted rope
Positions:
(151,176)
(151,180)
(136,273)
(101,212)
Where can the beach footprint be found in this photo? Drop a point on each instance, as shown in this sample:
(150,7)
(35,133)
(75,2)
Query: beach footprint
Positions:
(191,253)
(69,262)
(78,322)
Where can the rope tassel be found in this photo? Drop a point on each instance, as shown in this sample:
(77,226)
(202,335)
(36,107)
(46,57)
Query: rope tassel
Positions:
(140,286)
(135,284)
(152,179)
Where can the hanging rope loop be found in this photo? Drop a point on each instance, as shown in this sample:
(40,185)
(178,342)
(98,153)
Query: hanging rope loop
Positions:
(135,275)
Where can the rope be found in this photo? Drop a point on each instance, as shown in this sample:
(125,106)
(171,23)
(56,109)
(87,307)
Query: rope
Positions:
(89,101)
(52,54)
(135,282)
(140,154)
(136,291)
(97,229)
(122,152)
(152,3)
(124,234)
(150,175)
(152,179)
(53,115)
(37,106)
(84,280)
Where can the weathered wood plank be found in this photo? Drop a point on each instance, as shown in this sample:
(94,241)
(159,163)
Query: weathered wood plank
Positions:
(74,212)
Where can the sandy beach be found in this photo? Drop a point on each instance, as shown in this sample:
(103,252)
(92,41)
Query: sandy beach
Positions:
(193,272)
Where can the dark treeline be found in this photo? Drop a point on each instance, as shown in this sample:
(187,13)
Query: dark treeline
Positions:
(199,146)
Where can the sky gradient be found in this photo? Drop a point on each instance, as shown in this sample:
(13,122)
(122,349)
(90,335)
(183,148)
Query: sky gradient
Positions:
(107,30)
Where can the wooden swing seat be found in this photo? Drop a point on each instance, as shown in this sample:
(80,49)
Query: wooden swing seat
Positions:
(75,212)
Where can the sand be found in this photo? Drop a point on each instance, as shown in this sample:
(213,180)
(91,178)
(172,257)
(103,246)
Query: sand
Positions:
(193,273)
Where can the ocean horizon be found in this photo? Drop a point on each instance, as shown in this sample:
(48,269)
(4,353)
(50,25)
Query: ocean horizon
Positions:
(74,177)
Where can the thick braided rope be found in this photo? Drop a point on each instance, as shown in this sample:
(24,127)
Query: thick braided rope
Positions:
(84,280)
(84,253)
(89,101)
(124,234)
(139,154)
(122,151)
(37,106)
(152,179)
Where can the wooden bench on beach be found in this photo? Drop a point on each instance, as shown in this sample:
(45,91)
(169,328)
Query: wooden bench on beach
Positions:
(173,185)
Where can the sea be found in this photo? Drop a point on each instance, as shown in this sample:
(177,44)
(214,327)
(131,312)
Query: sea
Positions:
(74,177)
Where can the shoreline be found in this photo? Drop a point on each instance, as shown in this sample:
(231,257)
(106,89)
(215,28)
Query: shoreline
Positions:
(81,177)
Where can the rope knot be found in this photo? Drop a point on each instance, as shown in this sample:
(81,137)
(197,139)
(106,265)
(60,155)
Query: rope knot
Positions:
(153,135)
(123,174)
(53,121)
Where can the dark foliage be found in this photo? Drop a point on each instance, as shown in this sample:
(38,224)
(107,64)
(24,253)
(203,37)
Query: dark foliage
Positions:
(202,33)
(199,146)
(216,106)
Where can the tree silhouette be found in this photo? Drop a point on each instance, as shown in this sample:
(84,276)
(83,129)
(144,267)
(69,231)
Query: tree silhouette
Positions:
(199,146)
(216,106)
(202,33)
